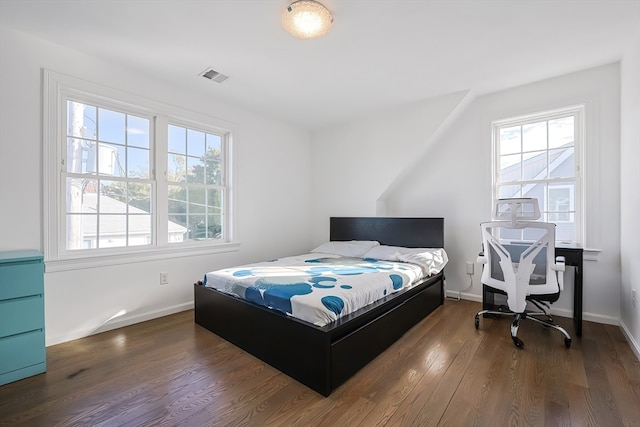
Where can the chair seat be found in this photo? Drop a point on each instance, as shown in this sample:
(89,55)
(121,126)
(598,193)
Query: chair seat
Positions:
(544,297)
(538,297)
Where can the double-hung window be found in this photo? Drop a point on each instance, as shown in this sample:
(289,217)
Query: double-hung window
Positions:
(127,176)
(538,156)
(195,176)
(107,181)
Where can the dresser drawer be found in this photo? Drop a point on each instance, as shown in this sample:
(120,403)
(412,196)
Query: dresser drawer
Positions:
(21,315)
(21,351)
(21,279)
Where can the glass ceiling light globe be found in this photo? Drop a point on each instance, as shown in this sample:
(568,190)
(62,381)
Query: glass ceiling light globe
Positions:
(306,19)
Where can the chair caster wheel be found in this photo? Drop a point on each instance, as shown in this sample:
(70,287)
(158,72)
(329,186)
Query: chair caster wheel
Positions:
(477,321)
(567,342)
(517,342)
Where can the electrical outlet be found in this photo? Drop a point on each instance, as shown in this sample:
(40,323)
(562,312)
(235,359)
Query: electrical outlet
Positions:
(633,297)
(164,278)
(470,267)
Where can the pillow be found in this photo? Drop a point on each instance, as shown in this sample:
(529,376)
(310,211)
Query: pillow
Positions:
(392,253)
(386,253)
(432,260)
(352,248)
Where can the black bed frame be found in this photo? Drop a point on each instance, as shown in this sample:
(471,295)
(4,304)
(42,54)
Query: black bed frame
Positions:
(322,358)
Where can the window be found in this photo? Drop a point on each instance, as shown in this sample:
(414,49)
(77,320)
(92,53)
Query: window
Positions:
(537,156)
(195,173)
(129,176)
(108,187)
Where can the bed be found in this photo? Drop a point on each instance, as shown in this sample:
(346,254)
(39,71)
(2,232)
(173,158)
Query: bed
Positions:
(324,357)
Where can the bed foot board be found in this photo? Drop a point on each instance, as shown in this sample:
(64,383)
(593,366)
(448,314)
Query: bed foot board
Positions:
(320,358)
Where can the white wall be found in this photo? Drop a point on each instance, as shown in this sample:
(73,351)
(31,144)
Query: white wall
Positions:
(354,164)
(630,195)
(453,179)
(271,205)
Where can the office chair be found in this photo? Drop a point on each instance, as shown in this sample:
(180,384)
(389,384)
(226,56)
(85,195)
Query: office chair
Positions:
(519,261)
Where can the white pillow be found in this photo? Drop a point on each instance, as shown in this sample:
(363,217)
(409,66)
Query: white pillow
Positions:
(352,248)
(432,260)
(392,253)
(386,253)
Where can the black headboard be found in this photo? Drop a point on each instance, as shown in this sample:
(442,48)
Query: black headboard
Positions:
(408,232)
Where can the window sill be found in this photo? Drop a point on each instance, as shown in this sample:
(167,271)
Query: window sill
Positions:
(106,260)
(591,254)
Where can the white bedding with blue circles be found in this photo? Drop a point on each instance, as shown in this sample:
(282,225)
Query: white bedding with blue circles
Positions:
(317,288)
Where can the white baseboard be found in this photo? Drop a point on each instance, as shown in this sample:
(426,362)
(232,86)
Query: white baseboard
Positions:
(562,312)
(458,295)
(632,342)
(143,317)
(590,317)
(117,323)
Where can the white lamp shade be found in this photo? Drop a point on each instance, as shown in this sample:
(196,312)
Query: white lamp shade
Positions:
(306,19)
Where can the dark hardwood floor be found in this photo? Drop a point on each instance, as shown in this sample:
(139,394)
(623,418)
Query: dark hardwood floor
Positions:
(170,372)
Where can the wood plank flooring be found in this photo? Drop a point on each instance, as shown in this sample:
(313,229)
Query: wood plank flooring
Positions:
(443,372)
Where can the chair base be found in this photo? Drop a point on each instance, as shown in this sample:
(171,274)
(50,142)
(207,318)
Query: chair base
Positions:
(548,322)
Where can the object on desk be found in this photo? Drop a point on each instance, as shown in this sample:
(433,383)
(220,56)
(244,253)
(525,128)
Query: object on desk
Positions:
(519,262)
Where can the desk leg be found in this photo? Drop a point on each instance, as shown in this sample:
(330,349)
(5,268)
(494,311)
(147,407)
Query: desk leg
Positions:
(577,298)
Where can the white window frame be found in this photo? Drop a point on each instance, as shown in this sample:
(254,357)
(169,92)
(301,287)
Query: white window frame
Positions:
(224,162)
(578,111)
(87,99)
(572,191)
(57,88)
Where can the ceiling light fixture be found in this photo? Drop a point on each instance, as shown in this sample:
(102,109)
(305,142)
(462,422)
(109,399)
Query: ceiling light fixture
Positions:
(306,19)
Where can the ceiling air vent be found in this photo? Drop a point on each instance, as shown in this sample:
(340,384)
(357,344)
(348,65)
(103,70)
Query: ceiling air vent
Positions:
(212,74)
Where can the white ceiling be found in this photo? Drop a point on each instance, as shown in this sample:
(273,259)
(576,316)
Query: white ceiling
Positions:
(379,53)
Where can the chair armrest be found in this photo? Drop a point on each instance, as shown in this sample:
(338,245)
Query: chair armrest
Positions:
(481,259)
(559,267)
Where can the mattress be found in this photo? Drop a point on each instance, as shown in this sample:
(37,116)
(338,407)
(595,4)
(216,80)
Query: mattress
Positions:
(319,288)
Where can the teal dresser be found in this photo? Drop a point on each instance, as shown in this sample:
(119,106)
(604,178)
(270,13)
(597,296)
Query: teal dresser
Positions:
(22,345)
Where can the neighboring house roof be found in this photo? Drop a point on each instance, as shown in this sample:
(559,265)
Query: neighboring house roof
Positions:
(512,173)
(139,220)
